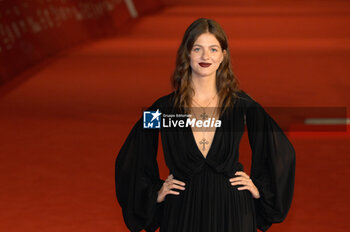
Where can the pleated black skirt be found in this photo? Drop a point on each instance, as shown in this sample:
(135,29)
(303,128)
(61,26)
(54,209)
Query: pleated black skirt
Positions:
(209,204)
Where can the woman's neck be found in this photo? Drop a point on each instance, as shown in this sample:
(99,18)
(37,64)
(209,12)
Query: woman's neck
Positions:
(204,88)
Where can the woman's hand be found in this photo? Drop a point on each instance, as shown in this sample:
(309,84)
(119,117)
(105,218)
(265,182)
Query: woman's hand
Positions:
(244,179)
(169,183)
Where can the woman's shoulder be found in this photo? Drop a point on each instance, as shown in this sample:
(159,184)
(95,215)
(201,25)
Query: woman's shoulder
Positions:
(164,101)
(245,99)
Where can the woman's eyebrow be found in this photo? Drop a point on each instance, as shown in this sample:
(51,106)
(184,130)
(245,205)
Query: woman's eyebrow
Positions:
(214,45)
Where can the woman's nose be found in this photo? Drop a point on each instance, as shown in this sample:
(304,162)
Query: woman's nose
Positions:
(205,54)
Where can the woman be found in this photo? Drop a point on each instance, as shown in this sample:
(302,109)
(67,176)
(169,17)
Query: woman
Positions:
(207,189)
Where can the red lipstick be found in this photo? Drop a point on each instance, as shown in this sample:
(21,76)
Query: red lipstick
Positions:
(204,65)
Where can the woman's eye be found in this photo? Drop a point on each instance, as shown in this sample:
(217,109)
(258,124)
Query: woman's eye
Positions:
(196,49)
(214,50)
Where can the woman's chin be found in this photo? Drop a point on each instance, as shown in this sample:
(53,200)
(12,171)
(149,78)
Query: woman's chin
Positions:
(204,74)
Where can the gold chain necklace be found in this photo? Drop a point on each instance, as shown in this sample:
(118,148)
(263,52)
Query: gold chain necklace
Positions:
(204,116)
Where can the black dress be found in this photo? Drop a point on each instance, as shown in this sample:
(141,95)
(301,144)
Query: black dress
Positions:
(209,203)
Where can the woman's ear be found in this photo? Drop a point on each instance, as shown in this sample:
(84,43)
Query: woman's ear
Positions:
(224,53)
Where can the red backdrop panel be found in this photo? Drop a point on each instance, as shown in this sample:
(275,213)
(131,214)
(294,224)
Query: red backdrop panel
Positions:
(33,30)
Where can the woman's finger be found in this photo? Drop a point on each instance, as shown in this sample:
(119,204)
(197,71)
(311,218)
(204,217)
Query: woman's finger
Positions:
(244,187)
(173,192)
(238,179)
(175,186)
(242,182)
(242,174)
(178,182)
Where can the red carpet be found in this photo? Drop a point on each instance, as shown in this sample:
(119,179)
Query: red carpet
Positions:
(62,127)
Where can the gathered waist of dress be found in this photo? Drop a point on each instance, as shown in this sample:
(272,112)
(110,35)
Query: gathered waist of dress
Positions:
(229,173)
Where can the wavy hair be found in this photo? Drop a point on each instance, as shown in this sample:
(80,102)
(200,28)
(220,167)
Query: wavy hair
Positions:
(226,83)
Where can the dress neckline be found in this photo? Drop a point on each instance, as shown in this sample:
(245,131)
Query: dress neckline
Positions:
(197,149)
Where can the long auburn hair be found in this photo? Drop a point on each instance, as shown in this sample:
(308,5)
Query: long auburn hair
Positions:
(226,83)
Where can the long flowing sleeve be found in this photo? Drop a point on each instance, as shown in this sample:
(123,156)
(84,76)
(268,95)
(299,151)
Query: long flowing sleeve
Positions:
(273,166)
(137,178)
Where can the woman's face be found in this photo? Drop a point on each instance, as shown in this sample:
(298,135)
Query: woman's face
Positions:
(206,55)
